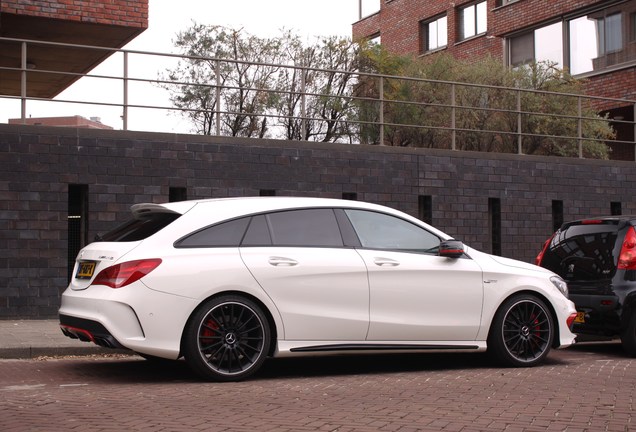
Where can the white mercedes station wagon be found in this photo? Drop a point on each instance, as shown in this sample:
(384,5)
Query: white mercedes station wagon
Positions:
(227,283)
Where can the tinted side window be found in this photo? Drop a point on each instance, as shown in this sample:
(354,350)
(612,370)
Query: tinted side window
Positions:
(381,231)
(139,228)
(312,227)
(226,234)
(258,233)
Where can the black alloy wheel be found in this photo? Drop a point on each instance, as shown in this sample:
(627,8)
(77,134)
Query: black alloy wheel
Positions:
(522,331)
(227,339)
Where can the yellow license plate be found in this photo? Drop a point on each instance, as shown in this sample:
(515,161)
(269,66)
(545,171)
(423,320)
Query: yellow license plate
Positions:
(85,270)
(580,317)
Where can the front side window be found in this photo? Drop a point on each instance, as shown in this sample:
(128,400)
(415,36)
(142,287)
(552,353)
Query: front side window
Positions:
(473,20)
(381,231)
(434,33)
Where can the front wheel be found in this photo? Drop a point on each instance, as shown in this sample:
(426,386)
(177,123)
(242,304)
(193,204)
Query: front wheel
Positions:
(522,331)
(226,339)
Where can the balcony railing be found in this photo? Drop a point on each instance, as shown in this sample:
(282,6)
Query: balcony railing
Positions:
(366,109)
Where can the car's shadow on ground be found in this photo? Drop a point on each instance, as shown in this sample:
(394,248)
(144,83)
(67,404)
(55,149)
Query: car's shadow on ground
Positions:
(132,369)
(610,348)
(371,364)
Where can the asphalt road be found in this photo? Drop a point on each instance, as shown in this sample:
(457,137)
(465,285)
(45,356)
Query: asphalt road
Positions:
(584,388)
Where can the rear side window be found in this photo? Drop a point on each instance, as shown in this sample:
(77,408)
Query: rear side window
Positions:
(582,252)
(228,234)
(307,227)
(312,227)
(139,228)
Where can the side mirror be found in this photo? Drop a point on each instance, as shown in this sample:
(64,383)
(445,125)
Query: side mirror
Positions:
(451,248)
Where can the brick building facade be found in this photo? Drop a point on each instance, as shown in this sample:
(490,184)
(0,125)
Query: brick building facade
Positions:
(59,187)
(100,23)
(593,39)
(112,12)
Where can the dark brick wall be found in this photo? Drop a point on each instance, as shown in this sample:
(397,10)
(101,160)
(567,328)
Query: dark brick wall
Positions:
(120,169)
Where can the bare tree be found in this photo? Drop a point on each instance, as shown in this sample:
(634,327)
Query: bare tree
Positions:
(275,87)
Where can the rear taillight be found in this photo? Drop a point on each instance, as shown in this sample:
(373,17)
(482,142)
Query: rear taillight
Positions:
(123,274)
(539,257)
(627,258)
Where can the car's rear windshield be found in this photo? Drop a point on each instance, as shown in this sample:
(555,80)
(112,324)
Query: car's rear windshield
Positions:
(139,227)
(582,251)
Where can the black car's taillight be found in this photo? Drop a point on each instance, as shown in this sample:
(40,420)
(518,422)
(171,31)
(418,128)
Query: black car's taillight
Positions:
(539,257)
(627,258)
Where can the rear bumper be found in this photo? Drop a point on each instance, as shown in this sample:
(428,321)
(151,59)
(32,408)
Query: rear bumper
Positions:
(88,331)
(601,314)
(134,318)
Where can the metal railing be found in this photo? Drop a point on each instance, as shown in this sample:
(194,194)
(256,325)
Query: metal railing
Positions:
(374,109)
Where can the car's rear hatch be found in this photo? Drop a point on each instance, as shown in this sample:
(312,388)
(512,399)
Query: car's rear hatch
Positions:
(584,254)
(147,219)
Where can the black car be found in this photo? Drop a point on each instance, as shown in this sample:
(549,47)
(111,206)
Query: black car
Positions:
(597,258)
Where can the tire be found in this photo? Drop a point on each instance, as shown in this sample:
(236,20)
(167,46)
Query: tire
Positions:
(227,339)
(628,336)
(522,332)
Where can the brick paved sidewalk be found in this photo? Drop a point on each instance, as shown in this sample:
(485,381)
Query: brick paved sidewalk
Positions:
(36,338)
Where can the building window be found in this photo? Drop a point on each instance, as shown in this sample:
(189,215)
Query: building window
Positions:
(616,208)
(594,41)
(77,222)
(473,20)
(544,44)
(494,219)
(267,192)
(593,38)
(176,194)
(351,196)
(425,208)
(434,33)
(375,39)
(557,214)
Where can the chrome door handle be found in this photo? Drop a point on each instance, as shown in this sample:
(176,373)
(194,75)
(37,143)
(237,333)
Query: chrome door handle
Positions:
(282,262)
(385,262)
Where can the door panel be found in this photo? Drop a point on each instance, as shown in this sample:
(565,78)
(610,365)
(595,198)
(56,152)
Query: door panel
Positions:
(321,293)
(423,297)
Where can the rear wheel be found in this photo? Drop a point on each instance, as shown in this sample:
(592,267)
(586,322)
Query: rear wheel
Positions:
(226,339)
(522,331)
(628,337)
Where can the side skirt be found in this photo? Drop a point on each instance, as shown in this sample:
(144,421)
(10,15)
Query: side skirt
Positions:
(382,347)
